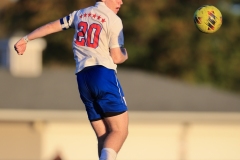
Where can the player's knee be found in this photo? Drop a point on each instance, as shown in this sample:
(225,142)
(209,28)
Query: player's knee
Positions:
(122,133)
(102,138)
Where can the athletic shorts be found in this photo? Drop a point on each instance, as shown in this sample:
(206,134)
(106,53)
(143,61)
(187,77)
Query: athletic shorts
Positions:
(101,92)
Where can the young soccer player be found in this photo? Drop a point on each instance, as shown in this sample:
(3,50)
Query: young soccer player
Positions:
(98,46)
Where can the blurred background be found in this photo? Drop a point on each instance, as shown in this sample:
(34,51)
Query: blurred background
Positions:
(182,86)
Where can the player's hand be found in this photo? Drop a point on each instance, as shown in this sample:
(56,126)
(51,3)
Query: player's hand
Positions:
(20,46)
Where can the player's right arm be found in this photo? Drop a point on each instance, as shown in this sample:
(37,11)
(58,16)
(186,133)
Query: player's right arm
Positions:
(47,29)
(42,31)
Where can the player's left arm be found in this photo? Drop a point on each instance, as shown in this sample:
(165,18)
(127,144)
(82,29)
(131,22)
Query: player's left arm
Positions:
(119,55)
(117,51)
(42,31)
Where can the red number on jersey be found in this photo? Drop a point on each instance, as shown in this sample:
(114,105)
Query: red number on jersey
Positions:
(93,35)
(93,32)
(80,40)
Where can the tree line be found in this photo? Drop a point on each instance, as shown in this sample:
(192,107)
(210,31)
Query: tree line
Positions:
(160,37)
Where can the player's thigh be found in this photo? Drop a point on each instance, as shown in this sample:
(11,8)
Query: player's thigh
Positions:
(99,128)
(118,123)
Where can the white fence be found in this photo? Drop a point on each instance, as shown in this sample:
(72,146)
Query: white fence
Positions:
(42,135)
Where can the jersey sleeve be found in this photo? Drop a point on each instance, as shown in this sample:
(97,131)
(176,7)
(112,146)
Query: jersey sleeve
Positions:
(117,37)
(68,21)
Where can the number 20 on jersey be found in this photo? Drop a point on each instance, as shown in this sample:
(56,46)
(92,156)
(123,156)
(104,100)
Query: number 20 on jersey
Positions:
(88,35)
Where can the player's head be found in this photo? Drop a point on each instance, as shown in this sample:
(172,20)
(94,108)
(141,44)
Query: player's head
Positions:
(114,5)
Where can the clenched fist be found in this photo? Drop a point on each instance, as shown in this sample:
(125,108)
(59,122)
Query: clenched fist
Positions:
(20,46)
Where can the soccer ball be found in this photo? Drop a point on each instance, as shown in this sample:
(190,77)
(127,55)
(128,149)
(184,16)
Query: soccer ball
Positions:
(208,19)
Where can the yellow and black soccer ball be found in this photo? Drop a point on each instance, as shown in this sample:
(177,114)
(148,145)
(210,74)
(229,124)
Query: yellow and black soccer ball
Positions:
(208,19)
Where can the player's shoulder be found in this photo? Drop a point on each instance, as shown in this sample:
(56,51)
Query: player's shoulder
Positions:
(84,10)
(79,12)
(101,7)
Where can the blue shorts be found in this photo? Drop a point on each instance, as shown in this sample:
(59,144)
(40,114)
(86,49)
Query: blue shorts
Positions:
(101,92)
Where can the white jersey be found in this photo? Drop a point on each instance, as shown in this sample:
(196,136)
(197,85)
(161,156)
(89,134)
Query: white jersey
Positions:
(97,29)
